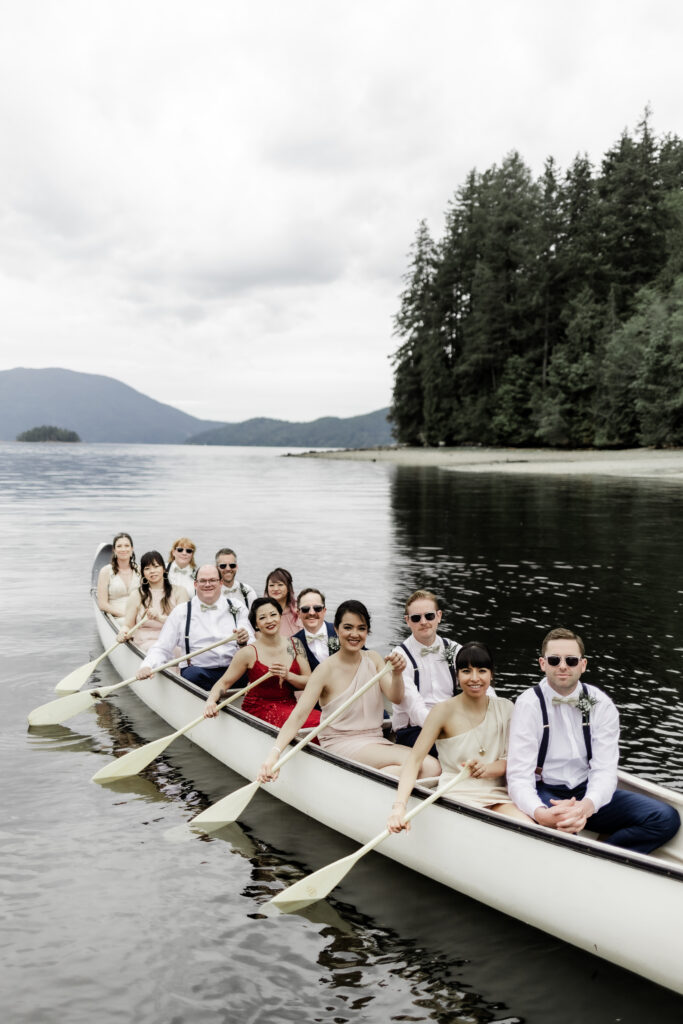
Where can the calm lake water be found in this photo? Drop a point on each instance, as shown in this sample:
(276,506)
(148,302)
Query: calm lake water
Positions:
(106,919)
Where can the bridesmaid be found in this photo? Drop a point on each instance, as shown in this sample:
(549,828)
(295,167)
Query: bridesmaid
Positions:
(469,729)
(279,586)
(154,598)
(182,567)
(274,698)
(117,581)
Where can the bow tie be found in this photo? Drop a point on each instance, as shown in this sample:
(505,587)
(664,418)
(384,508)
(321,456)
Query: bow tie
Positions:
(572,701)
(313,636)
(434,649)
(207,607)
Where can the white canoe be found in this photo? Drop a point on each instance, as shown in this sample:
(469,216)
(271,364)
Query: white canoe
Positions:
(622,906)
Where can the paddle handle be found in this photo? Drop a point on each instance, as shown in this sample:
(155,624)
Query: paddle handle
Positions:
(284,758)
(169,664)
(223,704)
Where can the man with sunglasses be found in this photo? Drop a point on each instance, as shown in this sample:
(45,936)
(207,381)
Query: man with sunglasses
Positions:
(564,752)
(233,589)
(429,676)
(319,638)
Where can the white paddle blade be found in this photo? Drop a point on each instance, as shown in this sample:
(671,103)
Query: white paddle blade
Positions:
(316,886)
(134,761)
(56,711)
(75,679)
(227,810)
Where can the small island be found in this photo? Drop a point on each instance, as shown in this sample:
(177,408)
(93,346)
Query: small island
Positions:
(48,434)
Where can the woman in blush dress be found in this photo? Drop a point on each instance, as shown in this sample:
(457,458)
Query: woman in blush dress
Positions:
(154,598)
(470,729)
(279,586)
(181,566)
(117,581)
(273,699)
(357,733)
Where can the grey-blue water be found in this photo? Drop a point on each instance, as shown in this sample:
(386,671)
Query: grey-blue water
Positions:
(105,920)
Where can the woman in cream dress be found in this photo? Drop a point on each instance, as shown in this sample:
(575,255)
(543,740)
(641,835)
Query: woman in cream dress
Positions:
(117,581)
(469,729)
(153,600)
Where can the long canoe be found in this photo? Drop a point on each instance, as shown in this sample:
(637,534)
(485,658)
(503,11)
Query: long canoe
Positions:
(622,906)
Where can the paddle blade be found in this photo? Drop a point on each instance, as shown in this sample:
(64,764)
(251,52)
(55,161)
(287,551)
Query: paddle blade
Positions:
(56,711)
(132,762)
(75,679)
(316,886)
(227,810)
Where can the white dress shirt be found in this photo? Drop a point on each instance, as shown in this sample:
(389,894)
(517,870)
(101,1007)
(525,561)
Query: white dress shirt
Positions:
(235,593)
(566,763)
(436,683)
(206,626)
(182,578)
(318,642)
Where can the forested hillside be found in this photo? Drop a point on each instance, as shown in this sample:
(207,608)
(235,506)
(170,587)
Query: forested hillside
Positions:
(550,312)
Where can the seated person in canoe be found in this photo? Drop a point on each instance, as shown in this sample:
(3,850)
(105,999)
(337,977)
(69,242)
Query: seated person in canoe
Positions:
(182,567)
(154,599)
(279,585)
(118,580)
(208,617)
(470,728)
(234,589)
(429,676)
(318,636)
(357,733)
(564,752)
(272,700)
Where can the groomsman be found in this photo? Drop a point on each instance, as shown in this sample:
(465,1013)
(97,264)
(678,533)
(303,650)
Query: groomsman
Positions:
(233,589)
(318,636)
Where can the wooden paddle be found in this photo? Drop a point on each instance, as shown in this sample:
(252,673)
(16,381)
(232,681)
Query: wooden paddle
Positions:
(316,886)
(56,711)
(135,760)
(75,679)
(231,806)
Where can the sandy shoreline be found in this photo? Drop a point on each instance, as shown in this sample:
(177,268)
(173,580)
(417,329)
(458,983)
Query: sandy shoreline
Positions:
(634,462)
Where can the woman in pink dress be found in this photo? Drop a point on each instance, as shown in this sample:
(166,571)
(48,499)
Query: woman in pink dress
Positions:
(155,598)
(279,585)
(274,698)
(357,733)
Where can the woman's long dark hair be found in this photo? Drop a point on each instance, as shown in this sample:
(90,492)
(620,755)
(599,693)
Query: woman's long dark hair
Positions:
(282,576)
(154,558)
(114,559)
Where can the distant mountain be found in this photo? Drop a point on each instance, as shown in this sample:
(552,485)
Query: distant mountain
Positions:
(328,432)
(100,408)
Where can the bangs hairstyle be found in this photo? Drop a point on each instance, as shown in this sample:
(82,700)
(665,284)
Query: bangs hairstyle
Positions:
(114,558)
(354,608)
(258,604)
(474,655)
(280,575)
(154,558)
(183,542)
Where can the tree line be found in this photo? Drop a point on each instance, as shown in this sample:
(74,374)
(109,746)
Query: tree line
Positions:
(550,312)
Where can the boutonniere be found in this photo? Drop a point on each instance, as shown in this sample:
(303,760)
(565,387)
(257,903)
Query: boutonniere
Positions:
(333,644)
(449,653)
(586,703)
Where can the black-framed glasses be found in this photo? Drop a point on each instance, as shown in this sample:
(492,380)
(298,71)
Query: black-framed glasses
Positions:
(185,551)
(306,608)
(227,565)
(571,661)
(429,616)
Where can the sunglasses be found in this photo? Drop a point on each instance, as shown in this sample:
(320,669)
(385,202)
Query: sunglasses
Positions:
(306,608)
(186,551)
(571,661)
(227,565)
(429,616)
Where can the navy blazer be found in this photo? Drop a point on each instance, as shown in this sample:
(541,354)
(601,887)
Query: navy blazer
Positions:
(301,635)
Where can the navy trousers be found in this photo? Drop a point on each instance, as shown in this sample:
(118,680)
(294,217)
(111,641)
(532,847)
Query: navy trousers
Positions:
(407,737)
(204,677)
(629,820)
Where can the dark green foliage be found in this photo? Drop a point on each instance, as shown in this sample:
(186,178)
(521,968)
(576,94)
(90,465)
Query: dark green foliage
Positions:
(48,434)
(550,310)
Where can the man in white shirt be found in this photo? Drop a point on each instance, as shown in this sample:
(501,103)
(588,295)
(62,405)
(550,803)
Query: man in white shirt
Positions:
(319,638)
(237,592)
(208,617)
(429,676)
(563,755)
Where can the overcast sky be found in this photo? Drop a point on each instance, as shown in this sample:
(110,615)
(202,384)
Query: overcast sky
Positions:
(213,201)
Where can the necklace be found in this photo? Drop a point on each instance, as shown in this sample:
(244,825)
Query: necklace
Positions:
(477,727)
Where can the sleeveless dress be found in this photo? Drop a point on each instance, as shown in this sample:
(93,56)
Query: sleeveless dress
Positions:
(272,700)
(492,736)
(118,592)
(148,633)
(361,724)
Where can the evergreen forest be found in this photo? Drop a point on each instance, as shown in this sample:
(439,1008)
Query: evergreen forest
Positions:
(47,433)
(550,312)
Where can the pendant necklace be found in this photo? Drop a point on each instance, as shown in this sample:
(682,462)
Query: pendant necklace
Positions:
(476,728)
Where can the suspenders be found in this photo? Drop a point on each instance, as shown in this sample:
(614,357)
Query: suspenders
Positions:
(416,671)
(188,618)
(543,749)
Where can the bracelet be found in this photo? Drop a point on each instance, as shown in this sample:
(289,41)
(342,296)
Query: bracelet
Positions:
(275,747)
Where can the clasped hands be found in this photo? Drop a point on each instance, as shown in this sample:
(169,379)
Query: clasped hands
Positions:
(565,815)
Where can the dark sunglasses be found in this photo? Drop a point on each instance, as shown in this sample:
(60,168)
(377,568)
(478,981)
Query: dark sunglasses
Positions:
(186,551)
(306,608)
(429,616)
(227,565)
(571,661)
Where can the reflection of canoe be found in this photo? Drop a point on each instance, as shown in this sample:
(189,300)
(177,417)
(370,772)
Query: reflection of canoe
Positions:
(624,907)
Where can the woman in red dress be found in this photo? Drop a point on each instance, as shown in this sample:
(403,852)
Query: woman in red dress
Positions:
(273,699)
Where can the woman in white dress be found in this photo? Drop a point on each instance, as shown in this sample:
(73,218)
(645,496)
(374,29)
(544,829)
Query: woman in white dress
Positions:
(470,729)
(119,579)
